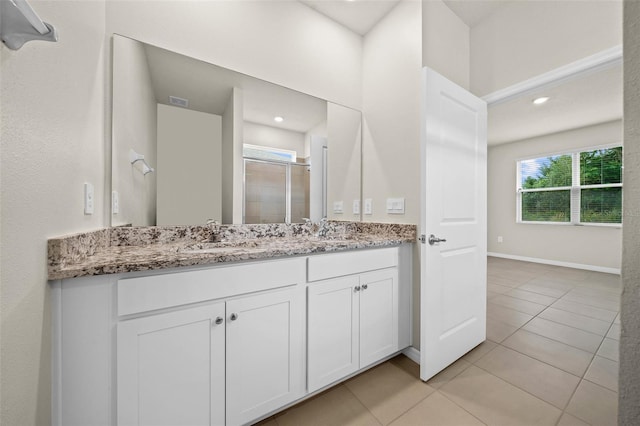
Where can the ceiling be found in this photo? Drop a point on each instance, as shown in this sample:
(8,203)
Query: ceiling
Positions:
(578,102)
(357,15)
(360,16)
(473,11)
(209,87)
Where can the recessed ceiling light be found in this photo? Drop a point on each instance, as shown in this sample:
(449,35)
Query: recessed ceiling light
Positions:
(278,119)
(541,100)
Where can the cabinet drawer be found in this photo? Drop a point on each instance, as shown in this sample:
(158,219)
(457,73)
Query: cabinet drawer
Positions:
(354,262)
(136,295)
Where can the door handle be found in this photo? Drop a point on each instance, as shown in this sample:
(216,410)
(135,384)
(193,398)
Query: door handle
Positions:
(433,239)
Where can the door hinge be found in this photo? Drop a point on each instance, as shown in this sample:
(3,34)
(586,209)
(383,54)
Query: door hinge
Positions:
(423,238)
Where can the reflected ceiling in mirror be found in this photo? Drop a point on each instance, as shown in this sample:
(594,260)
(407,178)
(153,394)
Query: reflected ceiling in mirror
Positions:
(191,119)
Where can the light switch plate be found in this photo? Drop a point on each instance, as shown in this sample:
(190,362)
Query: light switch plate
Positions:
(338,207)
(88,198)
(115,202)
(356,206)
(395,205)
(368,206)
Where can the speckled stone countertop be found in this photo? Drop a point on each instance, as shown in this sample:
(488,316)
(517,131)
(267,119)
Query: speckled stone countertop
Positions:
(129,249)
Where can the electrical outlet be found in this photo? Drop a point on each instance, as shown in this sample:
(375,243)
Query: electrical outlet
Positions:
(500,239)
(356,206)
(368,206)
(88,198)
(338,207)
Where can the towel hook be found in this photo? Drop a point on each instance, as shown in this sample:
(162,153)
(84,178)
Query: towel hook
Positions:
(134,157)
(19,24)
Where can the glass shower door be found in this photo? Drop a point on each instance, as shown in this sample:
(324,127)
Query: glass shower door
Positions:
(265,192)
(300,179)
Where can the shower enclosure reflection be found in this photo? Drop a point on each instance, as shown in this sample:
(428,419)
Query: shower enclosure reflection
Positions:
(275,192)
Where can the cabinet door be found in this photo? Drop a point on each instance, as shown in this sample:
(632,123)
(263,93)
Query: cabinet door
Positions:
(378,315)
(332,315)
(171,368)
(265,353)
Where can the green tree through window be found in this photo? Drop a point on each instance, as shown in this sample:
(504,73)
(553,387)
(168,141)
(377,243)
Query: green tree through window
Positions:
(547,189)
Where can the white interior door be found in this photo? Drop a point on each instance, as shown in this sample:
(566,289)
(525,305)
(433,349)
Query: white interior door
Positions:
(454,158)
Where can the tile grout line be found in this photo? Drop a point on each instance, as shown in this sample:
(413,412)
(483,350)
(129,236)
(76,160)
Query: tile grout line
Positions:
(362,403)
(458,405)
(575,328)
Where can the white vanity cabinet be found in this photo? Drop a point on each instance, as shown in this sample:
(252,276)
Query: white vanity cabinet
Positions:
(190,367)
(224,362)
(171,368)
(352,321)
(225,344)
(265,354)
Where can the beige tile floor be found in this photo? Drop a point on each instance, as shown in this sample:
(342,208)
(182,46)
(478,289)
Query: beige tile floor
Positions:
(551,358)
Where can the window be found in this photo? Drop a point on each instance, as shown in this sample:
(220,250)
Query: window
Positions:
(268,153)
(579,187)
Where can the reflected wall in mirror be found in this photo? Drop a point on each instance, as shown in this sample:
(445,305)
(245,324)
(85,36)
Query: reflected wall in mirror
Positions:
(218,152)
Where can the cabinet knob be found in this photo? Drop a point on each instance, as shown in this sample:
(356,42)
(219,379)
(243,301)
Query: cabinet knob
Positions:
(234,317)
(219,320)
(365,286)
(356,289)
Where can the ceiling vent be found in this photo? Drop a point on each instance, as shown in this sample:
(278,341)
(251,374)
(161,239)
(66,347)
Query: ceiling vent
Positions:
(174,100)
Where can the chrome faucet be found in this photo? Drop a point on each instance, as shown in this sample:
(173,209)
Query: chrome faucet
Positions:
(323,228)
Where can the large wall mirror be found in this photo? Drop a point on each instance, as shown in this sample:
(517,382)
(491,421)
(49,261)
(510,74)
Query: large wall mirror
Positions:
(195,143)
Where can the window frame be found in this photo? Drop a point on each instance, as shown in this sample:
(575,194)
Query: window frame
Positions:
(575,188)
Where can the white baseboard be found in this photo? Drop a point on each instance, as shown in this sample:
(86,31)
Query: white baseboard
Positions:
(413,354)
(556,263)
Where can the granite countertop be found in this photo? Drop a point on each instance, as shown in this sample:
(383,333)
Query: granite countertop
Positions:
(129,249)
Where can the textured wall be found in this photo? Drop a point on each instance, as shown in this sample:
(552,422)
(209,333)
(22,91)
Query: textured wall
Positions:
(53,140)
(629,391)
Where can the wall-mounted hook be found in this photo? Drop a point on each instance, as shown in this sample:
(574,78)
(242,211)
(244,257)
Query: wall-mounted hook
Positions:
(20,24)
(134,157)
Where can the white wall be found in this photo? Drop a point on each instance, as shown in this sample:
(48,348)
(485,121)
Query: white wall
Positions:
(394,53)
(391,107)
(445,42)
(284,42)
(232,164)
(319,130)
(527,38)
(189,166)
(587,245)
(53,140)
(135,123)
(629,391)
(344,152)
(273,137)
